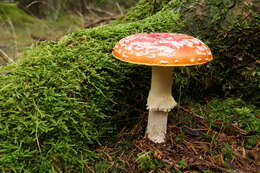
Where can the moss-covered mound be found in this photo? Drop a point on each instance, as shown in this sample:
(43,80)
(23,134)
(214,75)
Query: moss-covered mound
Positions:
(62,99)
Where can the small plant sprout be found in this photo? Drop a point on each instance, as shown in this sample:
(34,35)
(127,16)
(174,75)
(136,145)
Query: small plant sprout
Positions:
(162,51)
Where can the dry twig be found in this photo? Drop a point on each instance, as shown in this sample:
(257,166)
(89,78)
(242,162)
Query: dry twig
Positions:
(99,21)
(6,56)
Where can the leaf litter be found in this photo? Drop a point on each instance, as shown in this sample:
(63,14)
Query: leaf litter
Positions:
(196,146)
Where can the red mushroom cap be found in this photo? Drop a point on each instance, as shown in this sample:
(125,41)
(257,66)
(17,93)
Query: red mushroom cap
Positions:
(162,49)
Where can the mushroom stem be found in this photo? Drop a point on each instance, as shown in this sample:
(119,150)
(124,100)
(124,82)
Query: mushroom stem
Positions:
(159,103)
(160,95)
(157,126)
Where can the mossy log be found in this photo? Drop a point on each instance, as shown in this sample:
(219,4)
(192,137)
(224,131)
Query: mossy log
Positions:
(63,98)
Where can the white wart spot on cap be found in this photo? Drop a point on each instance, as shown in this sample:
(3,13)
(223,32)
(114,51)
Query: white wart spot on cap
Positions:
(139,54)
(132,52)
(124,55)
(128,48)
(200,52)
(188,43)
(124,45)
(176,60)
(201,47)
(152,56)
(199,59)
(164,62)
(192,60)
(127,41)
(119,50)
(194,40)
(138,48)
(177,44)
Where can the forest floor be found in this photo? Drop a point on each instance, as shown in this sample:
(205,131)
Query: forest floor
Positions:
(19,31)
(199,139)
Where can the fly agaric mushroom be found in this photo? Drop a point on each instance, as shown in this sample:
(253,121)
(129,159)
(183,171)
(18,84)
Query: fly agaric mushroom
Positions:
(162,51)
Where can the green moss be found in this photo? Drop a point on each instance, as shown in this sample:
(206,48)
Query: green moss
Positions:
(234,111)
(66,92)
(143,9)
